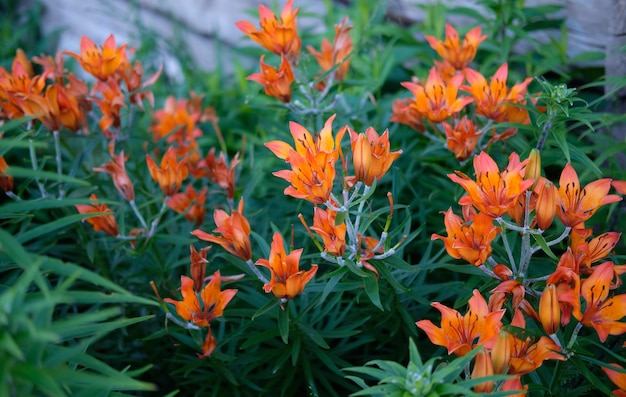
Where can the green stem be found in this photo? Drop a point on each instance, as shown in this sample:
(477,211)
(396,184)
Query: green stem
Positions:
(59,160)
(138,214)
(256,272)
(33,161)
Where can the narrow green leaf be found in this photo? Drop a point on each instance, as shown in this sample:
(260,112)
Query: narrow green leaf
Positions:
(559,137)
(265,308)
(283,324)
(544,246)
(313,334)
(19,172)
(371,289)
(50,227)
(8,344)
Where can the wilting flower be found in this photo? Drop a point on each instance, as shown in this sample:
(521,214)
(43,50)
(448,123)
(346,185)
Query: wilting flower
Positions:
(100,62)
(337,53)
(277,83)
(117,169)
(218,171)
(493,192)
(402,112)
(287,279)
(234,230)
(371,155)
(437,100)
(6,181)
(312,162)
(457,54)
(333,235)
(462,139)
(191,203)
(494,100)
(602,313)
(470,242)
(618,378)
(576,205)
(460,334)
(277,35)
(106,223)
(137,90)
(170,174)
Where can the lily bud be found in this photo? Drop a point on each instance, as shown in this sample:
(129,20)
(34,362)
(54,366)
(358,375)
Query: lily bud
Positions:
(545,208)
(198,266)
(362,157)
(501,353)
(549,309)
(482,368)
(533,169)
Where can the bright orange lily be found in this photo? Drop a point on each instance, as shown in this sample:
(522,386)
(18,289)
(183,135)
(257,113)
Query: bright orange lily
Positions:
(277,35)
(372,157)
(451,50)
(576,205)
(469,242)
(234,230)
(494,100)
(402,112)
(337,53)
(277,83)
(106,223)
(190,202)
(19,83)
(462,139)
(460,334)
(567,282)
(117,169)
(287,279)
(220,172)
(100,62)
(110,104)
(594,250)
(602,313)
(493,192)
(437,100)
(171,174)
(333,236)
(618,378)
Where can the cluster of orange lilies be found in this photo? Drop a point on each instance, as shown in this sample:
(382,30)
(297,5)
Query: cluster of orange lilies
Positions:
(579,285)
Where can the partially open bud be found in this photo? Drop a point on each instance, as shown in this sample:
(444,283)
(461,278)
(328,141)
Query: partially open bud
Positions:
(483,367)
(549,309)
(361,157)
(501,353)
(533,169)
(198,266)
(545,208)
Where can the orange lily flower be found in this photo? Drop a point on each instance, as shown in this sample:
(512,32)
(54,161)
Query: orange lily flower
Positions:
(437,100)
(117,169)
(470,242)
(220,172)
(602,313)
(277,35)
(100,62)
(177,122)
(494,100)
(201,311)
(462,139)
(460,334)
(136,88)
(197,269)
(618,378)
(372,157)
(576,205)
(619,186)
(170,174)
(277,83)
(106,223)
(287,279)
(457,54)
(596,249)
(567,282)
(191,202)
(337,53)
(493,192)
(333,235)
(312,162)
(20,82)
(110,104)
(402,112)
(6,181)
(234,230)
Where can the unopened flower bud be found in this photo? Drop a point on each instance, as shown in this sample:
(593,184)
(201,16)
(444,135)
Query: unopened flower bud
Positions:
(545,208)
(549,309)
(501,353)
(533,169)
(482,368)
(361,157)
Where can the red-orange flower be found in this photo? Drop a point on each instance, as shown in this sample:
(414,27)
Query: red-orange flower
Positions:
(110,104)
(277,35)
(460,334)
(220,172)
(402,112)
(234,230)
(462,139)
(372,156)
(190,202)
(170,174)
(493,192)
(618,378)
(333,235)
(106,223)
(437,100)
(100,62)
(117,169)
(602,313)
(494,100)
(277,83)
(470,242)
(576,205)
(457,54)
(287,279)
(19,83)
(337,53)
(197,267)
